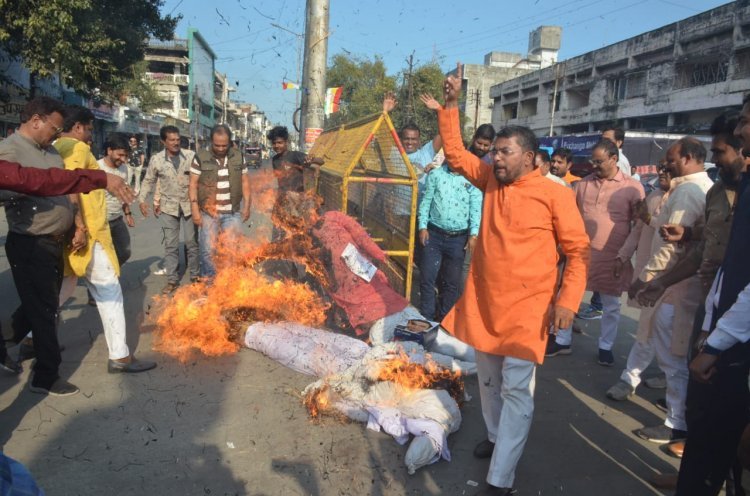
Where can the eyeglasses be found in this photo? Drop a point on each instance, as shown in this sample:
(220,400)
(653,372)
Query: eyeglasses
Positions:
(58,130)
(597,162)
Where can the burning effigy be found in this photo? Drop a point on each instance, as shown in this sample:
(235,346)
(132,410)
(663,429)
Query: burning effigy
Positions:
(308,298)
(395,387)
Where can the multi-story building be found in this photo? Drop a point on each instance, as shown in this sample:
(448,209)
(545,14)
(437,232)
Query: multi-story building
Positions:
(544,43)
(182,71)
(675,79)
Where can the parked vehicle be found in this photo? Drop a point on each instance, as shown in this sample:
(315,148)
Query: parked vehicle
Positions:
(253,157)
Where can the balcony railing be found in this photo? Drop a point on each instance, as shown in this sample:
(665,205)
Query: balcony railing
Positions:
(163,77)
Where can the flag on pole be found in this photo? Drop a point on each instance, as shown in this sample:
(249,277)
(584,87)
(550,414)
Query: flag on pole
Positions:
(333,97)
(289,86)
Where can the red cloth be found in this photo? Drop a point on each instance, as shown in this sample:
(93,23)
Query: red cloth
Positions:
(363,302)
(49,182)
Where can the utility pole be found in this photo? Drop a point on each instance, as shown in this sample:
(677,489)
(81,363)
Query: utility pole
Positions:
(314,72)
(410,89)
(196,116)
(554,100)
(477,98)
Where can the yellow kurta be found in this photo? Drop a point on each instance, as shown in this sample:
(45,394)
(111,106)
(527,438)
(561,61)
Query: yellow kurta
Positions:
(505,307)
(77,155)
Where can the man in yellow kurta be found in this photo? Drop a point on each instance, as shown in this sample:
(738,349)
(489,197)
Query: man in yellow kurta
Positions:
(511,296)
(92,253)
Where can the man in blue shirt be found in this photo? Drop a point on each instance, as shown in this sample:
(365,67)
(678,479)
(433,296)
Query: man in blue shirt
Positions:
(448,221)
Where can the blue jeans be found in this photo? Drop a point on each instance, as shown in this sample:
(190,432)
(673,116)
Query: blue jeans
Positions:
(210,228)
(596,301)
(442,255)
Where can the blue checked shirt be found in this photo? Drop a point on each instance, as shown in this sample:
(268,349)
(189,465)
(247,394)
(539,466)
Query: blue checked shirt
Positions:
(450,202)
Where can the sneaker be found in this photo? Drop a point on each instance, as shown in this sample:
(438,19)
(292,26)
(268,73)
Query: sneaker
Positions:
(656,382)
(620,391)
(554,349)
(590,313)
(661,404)
(169,288)
(60,387)
(660,434)
(160,272)
(606,358)
(11,366)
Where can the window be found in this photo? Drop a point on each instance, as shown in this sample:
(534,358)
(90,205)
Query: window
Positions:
(690,75)
(636,85)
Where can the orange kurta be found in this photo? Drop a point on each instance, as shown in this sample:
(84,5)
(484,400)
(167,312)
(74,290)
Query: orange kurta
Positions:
(505,307)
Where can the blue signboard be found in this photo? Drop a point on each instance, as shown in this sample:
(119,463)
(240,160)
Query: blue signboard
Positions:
(579,145)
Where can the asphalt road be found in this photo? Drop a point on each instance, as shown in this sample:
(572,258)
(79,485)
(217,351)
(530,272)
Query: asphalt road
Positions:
(235,424)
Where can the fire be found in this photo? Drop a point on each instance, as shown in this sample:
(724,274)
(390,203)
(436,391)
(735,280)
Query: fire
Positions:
(411,376)
(318,401)
(212,317)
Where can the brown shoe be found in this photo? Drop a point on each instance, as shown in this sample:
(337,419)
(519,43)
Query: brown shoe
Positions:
(664,481)
(484,449)
(676,448)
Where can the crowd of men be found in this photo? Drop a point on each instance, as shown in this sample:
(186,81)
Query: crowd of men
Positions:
(501,199)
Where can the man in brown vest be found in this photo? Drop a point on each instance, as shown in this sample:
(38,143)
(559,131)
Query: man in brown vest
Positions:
(219,193)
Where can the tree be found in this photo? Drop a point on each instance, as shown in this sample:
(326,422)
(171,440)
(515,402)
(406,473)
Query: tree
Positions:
(91,44)
(427,78)
(364,83)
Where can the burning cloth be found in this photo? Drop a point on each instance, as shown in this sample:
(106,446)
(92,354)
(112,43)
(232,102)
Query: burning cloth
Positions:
(396,387)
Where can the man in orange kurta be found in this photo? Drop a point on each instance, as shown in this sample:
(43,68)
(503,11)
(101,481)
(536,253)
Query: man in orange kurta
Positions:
(511,297)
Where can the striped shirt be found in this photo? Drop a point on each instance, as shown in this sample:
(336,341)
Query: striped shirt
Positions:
(223,196)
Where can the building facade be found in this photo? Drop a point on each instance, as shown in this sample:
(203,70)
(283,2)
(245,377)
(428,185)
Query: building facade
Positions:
(544,43)
(674,79)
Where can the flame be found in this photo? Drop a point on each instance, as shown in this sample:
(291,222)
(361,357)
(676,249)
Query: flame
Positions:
(318,401)
(411,376)
(211,317)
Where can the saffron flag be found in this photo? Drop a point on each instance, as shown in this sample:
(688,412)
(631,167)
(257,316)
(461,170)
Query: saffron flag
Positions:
(333,97)
(289,86)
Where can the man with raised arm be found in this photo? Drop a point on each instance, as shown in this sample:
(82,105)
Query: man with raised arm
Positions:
(510,298)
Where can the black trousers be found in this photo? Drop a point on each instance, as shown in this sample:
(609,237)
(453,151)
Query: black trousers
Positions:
(716,415)
(121,239)
(37,267)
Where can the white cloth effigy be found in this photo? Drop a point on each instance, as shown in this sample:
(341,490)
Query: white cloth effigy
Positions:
(349,371)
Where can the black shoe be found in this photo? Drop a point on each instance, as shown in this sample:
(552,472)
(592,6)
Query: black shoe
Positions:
(11,366)
(491,490)
(661,404)
(169,288)
(554,349)
(26,351)
(484,449)
(606,358)
(60,387)
(193,280)
(132,367)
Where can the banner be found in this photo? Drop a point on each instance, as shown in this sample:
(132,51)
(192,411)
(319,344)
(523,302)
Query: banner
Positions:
(289,86)
(333,97)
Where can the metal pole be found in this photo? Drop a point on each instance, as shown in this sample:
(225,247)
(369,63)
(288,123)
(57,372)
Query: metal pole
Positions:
(554,101)
(314,72)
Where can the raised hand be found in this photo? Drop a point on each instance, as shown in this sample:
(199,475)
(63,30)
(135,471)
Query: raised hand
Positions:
(389,102)
(430,102)
(452,86)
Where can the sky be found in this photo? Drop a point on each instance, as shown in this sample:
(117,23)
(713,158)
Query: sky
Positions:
(259,57)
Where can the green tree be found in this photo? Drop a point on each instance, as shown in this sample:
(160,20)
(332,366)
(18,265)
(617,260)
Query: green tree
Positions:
(427,78)
(364,83)
(90,43)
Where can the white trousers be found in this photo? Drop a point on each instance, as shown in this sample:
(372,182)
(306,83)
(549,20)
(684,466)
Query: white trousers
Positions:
(610,321)
(104,286)
(675,367)
(506,388)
